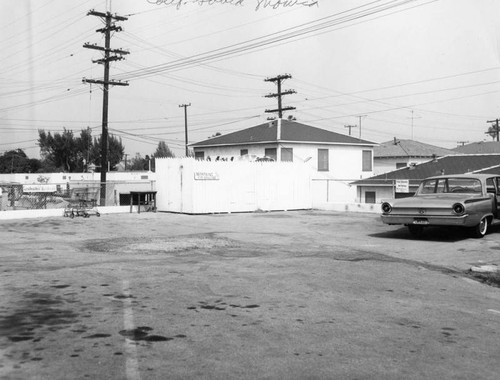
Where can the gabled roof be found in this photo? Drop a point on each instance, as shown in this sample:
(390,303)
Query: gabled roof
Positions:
(409,148)
(479,147)
(454,164)
(291,131)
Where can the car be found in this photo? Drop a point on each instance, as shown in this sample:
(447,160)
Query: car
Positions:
(466,200)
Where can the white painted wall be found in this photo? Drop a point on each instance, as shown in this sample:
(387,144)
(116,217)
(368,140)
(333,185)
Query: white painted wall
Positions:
(196,187)
(345,166)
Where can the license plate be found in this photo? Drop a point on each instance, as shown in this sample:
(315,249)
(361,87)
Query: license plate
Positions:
(420,221)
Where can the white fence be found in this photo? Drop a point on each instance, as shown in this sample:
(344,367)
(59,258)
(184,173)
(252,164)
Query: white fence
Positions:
(197,187)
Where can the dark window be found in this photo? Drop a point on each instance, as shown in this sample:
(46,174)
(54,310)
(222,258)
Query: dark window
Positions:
(490,186)
(370,197)
(271,153)
(286,154)
(367,161)
(323,160)
(243,152)
(199,155)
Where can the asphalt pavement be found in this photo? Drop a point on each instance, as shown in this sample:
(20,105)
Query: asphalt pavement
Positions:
(284,295)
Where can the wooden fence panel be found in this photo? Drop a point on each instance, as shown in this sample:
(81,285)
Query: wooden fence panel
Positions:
(197,187)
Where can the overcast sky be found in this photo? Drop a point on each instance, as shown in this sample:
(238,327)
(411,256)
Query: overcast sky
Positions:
(421,69)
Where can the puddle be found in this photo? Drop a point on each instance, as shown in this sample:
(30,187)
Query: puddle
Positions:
(142,334)
(97,336)
(34,312)
(220,305)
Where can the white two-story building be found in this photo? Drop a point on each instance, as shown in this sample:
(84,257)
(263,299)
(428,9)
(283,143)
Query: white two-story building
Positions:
(335,159)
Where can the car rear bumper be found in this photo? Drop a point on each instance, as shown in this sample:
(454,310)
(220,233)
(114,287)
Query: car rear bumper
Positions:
(428,220)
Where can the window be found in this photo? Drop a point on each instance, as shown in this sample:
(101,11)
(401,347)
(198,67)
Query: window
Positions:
(367,161)
(323,160)
(244,152)
(287,154)
(199,155)
(490,186)
(370,197)
(450,185)
(271,153)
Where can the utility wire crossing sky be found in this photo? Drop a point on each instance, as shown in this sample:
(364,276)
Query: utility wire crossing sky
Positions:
(422,69)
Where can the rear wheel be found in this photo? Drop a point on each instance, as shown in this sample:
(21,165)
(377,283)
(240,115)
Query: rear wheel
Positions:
(416,231)
(481,229)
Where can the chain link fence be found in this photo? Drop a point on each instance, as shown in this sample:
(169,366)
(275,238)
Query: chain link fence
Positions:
(50,196)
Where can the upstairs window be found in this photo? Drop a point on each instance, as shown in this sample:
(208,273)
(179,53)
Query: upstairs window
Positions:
(287,154)
(323,160)
(271,153)
(367,161)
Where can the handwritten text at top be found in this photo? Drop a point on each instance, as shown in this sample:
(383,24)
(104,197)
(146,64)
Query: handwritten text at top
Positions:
(259,4)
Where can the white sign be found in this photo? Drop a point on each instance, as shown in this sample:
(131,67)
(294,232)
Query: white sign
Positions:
(206,176)
(41,188)
(402,186)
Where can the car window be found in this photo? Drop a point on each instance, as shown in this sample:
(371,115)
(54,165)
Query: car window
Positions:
(442,186)
(464,185)
(490,186)
(450,185)
(428,187)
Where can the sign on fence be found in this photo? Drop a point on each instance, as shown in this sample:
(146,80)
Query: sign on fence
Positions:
(206,176)
(402,186)
(39,188)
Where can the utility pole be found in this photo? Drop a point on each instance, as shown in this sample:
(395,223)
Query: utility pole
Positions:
(412,120)
(278,80)
(109,20)
(185,106)
(496,127)
(360,117)
(350,127)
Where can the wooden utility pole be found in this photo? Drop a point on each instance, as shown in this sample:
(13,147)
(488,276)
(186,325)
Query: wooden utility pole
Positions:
(279,94)
(360,117)
(185,106)
(496,127)
(108,19)
(350,127)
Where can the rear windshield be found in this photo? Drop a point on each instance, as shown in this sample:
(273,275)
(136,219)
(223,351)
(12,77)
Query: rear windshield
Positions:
(450,185)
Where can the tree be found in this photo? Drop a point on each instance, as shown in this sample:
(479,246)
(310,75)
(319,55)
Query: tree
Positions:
(139,163)
(116,151)
(16,161)
(63,151)
(59,149)
(493,132)
(163,151)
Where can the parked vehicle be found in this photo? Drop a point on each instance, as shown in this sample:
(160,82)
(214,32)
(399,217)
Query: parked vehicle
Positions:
(467,200)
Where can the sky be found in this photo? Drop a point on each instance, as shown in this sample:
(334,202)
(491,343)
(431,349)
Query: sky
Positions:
(426,70)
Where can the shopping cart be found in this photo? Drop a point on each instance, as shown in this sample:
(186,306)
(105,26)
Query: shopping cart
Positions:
(82,203)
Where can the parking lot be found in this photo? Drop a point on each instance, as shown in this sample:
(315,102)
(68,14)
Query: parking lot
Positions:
(285,295)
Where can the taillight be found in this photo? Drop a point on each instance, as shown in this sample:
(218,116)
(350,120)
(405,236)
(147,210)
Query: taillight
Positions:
(386,207)
(458,208)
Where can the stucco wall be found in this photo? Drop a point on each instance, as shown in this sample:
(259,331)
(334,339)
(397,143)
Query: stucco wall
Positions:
(345,161)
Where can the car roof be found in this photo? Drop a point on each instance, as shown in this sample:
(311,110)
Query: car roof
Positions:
(470,175)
